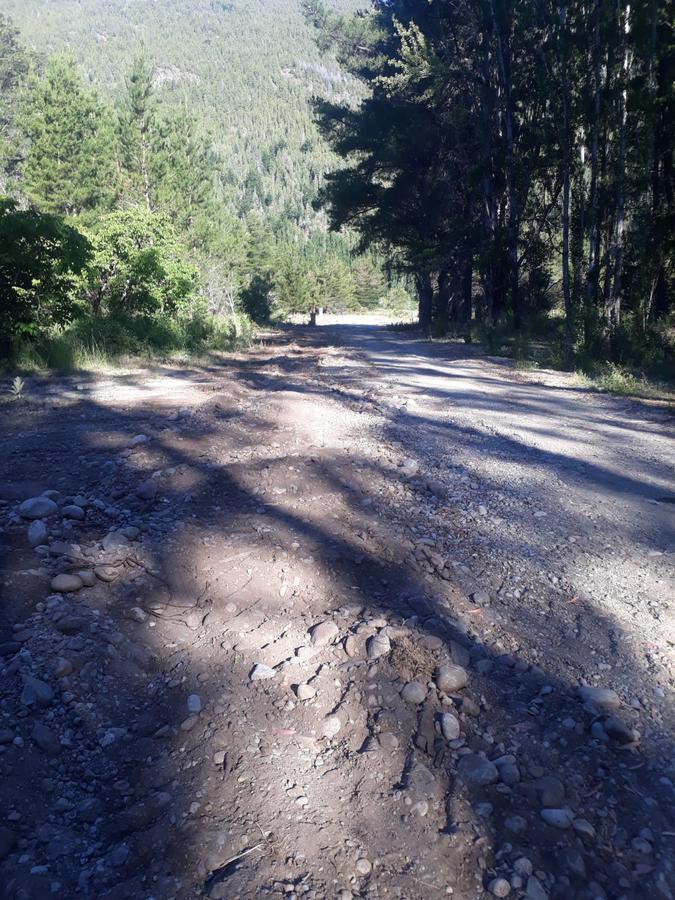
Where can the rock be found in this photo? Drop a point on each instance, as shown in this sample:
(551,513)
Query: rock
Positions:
(66,583)
(584,828)
(63,667)
(37,508)
(105,573)
(71,624)
(516,824)
(460,655)
(219,757)
(353,646)
(535,890)
(261,672)
(88,577)
(618,731)
(551,791)
(450,726)
(147,490)
(46,740)
(114,542)
(72,512)
(378,645)
(138,439)
(305,691)
(482,598)
(189,723)
(136,614)
(557,818)
(388,741)
(414,692)
(140,814)
(477,771)
(323,633)
(451,678)
(37,533)
(194,703)
(363,866)
(523,866)
(36,692)
(7,841)
(598,696)
(499,887)
(90,809)
(331,726)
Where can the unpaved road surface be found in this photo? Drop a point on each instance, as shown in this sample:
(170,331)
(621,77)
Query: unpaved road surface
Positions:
(351,615)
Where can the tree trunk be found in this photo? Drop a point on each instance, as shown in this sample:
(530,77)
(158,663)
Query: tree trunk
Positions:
(592,271)
(425,295)
(566,183)
(616,252)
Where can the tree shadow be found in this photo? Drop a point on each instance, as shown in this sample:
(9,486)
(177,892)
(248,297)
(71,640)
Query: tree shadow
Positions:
(250,540)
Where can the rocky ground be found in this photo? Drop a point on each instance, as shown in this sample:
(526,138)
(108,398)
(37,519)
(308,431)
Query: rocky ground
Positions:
(349,616)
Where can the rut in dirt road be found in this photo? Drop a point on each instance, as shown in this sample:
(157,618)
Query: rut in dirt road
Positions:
(352,615)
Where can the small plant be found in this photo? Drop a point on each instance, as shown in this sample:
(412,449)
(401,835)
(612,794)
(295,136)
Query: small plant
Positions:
(16,388)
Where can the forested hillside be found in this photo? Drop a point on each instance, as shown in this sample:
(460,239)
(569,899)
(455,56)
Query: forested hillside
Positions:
(174,147)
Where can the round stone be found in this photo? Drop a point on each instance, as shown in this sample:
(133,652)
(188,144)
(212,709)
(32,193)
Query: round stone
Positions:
(451,678)
(450,726)
(477,771)
(499,887)
(66,583)
(378,645)
(37,508)
(331,726)
(194,703)
(364,866)
(323,633)
(557,818)
(414,692)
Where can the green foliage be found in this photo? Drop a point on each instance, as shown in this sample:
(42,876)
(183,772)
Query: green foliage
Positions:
(68,168)
(41,258)
(138,266)
(14,63)
(256,299)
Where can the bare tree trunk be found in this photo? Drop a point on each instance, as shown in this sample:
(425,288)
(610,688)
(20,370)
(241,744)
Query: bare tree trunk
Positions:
(616,252)
(425,294)
(592,272)
(489,206)
(566,182)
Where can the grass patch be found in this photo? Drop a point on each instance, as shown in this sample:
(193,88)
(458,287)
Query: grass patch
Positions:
(615,379)
(102,342)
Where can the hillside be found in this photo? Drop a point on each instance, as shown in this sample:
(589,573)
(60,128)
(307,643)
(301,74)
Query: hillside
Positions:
(247,69)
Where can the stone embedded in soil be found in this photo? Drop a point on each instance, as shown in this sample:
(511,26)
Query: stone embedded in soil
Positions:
(482,598)
(499,887)
(378,645)
(618,731)
(194,703)
(37,508)
(599,696)
(46,739)
(323,633)
(364,866)
(261,672)
(305,691)
(450,726)
(37,533)
(451,678)
(136,614)
(147,490)
(105,573)
(557,818)
(330,727)
(36,692)
(477,771)
(414,692)
(72,511)
(88,577)
(535,890)
(189,723)
(138,439)
(66,583)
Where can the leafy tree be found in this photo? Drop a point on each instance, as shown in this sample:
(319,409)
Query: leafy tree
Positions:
(137,125)
(138,266)
(13,70)
(294,290)
(69,163)
(41,258)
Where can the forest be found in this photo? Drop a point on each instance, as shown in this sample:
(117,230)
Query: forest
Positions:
(152,206)
(516,159)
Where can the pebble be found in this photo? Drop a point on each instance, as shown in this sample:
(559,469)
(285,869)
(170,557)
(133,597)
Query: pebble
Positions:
(414,692)
(378,645)
(305,691)
(46,740)
(323,633)
(37,533)
(331,726)
(618,731)
(450,726)
(66,583)
(584,828)
(136,614)
(451,678)
(535,890)
(261,672)
(558,818)
(523,866)
(105,573)
(364,866)
(477,771)
(194,703)
(189,723)
(482,598)
(138,439)
(36,692)
(499,887)
(88,577)
(598,696)
(37,508)
(72,512)
(147,490)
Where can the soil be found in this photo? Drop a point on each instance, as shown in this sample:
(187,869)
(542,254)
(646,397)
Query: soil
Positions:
(461,512)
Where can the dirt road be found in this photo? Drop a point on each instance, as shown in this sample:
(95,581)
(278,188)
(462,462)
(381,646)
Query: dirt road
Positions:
(351,615)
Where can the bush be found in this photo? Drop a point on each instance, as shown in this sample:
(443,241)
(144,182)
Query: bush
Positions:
(41,258)
(138,266)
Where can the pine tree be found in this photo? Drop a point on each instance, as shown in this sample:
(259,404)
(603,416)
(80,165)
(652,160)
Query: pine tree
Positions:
(69,163)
